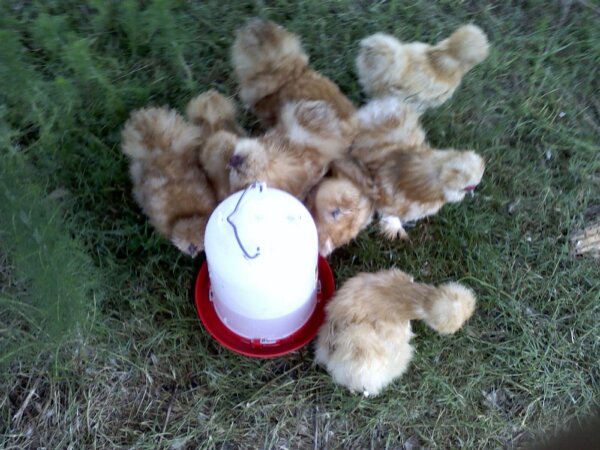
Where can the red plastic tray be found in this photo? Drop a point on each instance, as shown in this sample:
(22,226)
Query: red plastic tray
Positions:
(253,348)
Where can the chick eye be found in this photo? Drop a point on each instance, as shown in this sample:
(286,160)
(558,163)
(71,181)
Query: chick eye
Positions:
(336,212)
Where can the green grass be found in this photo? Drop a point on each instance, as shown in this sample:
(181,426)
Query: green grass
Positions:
(145,374)
(61,284)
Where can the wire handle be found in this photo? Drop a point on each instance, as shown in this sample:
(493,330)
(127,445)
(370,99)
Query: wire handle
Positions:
(235,231)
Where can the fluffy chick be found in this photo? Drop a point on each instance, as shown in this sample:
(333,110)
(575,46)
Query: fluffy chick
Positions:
(272,69)
(216,115)
(340,210)
(421,74)
(416,183)
(296,153)
(168,183)
(405,177)
(364,342)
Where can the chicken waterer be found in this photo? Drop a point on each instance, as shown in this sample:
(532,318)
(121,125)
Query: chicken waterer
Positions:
(263,286)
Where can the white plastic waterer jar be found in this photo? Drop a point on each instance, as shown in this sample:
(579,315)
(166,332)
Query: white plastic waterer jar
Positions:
(262,251)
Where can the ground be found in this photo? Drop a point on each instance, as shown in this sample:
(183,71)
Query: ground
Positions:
(121,361)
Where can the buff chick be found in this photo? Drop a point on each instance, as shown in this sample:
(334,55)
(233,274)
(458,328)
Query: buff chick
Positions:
(295,154)
(406,178)
(416,183)
(364,342)
(273,70)
(168,183)
(340,210)
(420,74)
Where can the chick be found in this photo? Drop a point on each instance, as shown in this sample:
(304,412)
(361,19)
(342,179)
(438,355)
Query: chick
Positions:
(418,73)
(415,184)
(272,69)
(296,153)
(216,115)
(310,121)
(168,183)
(405,177)
(340,211)
(364,342)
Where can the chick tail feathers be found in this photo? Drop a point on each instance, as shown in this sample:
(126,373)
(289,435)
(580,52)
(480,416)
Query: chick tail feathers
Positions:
(214,112)
(151,132)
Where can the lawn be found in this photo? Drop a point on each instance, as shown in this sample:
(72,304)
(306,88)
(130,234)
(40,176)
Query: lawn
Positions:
(100,344)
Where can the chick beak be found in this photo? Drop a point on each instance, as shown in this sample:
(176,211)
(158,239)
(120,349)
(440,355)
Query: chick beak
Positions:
(192,250)
(470,190)
(236,161)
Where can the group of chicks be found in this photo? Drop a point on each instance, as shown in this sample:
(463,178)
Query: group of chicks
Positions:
(347,165)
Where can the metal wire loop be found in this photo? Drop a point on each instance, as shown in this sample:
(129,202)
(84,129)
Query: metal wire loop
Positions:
(235,231)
